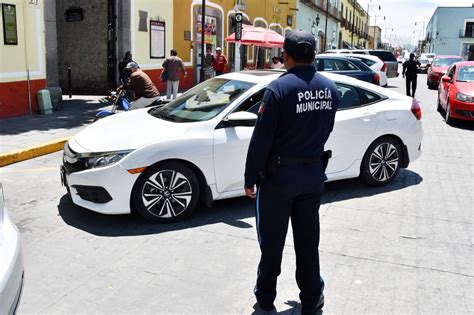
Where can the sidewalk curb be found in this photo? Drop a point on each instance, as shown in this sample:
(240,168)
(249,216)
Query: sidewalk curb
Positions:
(32,152)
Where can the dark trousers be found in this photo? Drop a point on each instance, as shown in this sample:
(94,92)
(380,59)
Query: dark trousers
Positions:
(292,192)
(411,81)
(219,72)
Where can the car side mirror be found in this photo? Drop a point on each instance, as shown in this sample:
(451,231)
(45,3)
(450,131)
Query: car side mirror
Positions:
(446,79)
(244,119)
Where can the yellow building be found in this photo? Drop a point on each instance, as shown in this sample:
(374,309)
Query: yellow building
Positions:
(354,25)
(22,57)
(279,16)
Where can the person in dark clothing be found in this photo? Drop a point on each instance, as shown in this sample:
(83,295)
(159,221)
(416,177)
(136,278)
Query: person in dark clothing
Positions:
(470,56)
(295,119)
(124,73)
(143,90)
(410,70)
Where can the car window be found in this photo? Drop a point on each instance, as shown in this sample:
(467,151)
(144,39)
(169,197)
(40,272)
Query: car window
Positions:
(466,74)
(445,62)
(203,102)
(338,65)
(383,55)
(370,96)
(368,62)
(349,95)
(359,53)
(252,103)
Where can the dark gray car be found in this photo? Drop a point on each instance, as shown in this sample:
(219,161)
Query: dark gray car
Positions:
(389,59)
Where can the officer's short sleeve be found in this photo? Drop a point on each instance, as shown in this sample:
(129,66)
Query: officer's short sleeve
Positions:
(262,137)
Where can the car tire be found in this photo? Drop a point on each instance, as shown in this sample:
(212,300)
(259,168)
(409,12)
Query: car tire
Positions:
(381,162)
(439,108)
(447,117)
(166,192)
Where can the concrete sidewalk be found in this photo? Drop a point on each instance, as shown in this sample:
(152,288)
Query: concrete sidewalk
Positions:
(26,137)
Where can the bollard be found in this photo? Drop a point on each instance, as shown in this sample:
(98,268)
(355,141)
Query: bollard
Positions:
(69,83)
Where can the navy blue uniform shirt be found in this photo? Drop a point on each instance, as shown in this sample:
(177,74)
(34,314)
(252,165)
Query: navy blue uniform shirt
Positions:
(295,119)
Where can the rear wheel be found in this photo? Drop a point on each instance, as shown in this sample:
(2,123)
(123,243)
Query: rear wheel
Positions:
(381,162)
(166,192)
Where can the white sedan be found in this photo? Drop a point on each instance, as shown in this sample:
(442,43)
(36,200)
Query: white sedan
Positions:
(162,161)
(11,262)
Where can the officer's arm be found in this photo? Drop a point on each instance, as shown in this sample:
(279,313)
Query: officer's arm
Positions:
(262,138)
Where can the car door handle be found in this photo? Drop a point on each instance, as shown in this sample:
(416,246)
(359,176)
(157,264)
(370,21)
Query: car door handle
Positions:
(366,116)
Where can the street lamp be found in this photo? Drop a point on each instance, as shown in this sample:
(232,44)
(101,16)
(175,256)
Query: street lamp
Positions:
(375,25)
(368,17)
(422,28)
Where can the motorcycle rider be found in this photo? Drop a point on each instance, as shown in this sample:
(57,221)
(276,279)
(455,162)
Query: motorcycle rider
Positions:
(140,85)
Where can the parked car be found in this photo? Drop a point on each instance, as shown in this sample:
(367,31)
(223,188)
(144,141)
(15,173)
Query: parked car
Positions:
(11,262)
(347,66)
(424,65)
(194,148)
(373,62)
(389,59)
(428,56)
(456,92)
(438,68)
(338,51)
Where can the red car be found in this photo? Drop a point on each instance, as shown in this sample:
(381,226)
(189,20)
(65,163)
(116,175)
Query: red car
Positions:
(456,92)
(438,68)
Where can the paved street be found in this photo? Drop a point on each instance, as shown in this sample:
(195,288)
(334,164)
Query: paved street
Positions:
(405,248)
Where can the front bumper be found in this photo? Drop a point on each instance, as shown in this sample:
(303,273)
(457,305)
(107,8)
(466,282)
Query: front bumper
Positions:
(105,190)
(12,272)
(462,110)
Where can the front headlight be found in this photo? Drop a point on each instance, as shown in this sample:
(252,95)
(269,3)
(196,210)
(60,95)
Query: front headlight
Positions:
(93,160)
(464,98)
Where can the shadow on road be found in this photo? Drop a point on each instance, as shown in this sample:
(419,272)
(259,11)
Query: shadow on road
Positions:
(229,211)
(295,309)
(459,124)
(77,112)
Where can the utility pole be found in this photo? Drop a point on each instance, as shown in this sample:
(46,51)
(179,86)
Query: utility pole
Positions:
(353,21)
(203,40)
(326,25)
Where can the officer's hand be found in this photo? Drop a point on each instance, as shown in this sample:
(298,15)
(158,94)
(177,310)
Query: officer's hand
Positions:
(250,192)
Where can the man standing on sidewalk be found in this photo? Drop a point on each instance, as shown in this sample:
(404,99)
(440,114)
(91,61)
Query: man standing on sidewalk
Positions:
(220,61)
(295,119)
(410,70)
(171,67)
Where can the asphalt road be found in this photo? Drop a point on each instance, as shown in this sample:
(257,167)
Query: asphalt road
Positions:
(404,248)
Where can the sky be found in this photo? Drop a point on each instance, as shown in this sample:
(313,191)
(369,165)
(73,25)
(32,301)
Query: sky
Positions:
(401,15)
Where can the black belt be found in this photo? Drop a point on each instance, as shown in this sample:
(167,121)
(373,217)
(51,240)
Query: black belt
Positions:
(286,160)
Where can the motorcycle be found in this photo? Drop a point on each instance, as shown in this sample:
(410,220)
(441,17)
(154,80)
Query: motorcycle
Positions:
(121,103)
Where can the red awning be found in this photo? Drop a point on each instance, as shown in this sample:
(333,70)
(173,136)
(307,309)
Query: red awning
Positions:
(258,36)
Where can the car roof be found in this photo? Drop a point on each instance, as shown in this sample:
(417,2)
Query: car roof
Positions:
(464,63)
(357,56)
(447,56)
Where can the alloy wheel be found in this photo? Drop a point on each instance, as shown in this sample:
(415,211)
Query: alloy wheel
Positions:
(383,162)
(166,193)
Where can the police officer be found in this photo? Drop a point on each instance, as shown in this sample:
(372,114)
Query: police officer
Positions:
(410,70)
(295,119)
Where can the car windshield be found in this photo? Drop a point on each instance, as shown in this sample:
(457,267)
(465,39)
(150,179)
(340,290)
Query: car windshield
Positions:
(383,55)
(466,74)
(445,62)
(203,102)
(428,55)
(424,61)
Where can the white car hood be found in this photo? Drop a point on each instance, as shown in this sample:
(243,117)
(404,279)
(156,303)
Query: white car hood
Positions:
(126,131)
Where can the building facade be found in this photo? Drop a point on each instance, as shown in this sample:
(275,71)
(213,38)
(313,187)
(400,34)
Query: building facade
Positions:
(450,31)
(22,57)
(354,25)
(74,46)
(312,16)
(375,37)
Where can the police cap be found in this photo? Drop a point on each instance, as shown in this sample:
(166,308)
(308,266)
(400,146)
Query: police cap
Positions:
(299,44)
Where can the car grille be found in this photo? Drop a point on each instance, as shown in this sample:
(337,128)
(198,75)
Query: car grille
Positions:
(71,162)
(465,113)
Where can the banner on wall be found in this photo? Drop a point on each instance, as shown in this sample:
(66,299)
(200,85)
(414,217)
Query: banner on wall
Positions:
(210,30)
(157,39)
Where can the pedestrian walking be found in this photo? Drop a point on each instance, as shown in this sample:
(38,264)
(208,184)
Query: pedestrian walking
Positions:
(170,73)
(123,73)
(208,64)
(220,61)
(410,71)
(287,147)
(470,56)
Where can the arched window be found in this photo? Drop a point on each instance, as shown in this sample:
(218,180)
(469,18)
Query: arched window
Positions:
(276,51)
(231,46)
